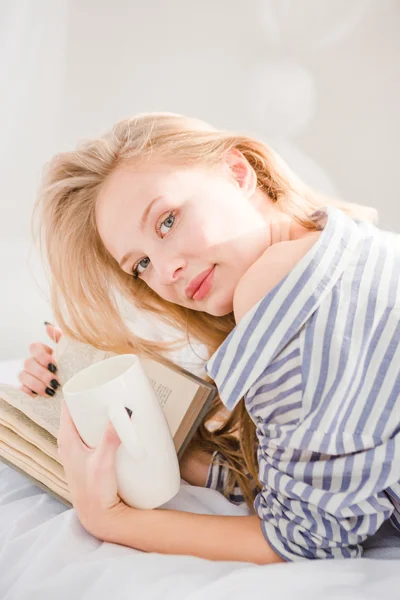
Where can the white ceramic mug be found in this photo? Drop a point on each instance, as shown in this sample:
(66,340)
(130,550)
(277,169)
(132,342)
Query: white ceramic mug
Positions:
(146,463)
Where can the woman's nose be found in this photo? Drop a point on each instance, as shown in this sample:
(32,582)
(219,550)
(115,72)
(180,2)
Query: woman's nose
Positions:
(169,270)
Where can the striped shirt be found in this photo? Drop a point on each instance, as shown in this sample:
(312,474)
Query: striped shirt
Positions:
(317,360)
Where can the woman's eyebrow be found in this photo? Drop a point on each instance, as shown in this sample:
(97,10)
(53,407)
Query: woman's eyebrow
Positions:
(142,225)
(146,212)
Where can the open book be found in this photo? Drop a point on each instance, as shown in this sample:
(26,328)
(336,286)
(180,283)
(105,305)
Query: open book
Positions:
(29,426)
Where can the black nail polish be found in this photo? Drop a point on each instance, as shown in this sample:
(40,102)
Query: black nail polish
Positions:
(34,393)
(47,323)
(52,368)
(49,392)
(128,410)
(54,383)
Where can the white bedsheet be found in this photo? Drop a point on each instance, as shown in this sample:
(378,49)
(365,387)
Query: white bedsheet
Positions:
(45,553)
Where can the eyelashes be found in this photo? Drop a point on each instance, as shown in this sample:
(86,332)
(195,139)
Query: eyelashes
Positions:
(135,270)
(170,216)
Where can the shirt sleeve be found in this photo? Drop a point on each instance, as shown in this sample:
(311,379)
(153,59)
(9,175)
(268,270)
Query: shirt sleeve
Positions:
(217,479)
(299,535)
(325,508)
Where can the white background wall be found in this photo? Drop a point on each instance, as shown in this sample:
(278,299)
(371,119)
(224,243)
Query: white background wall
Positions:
(317,79)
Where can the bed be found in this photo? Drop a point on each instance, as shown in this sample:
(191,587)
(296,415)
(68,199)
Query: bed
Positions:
(45,553)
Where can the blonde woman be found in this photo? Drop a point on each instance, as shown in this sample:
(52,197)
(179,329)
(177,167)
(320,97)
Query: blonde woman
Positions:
(296,298)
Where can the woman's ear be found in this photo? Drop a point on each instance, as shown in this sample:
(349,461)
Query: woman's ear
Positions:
(242,172)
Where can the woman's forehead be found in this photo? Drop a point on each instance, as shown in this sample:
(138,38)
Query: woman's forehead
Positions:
(123,199)
(138,183)
(135,177)
(128,188)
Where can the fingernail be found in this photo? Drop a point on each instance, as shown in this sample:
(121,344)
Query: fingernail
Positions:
(52,368)
(54,383)
(47,323)
(128,410)
(49,392)
(34,393)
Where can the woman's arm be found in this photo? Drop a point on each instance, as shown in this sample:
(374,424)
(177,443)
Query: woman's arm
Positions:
(212,537)
(194,466)
(92,483)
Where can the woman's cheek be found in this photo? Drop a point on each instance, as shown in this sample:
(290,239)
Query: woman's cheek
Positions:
(201,237)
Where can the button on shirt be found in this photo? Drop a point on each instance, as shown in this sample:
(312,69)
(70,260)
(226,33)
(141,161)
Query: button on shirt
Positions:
(317,360)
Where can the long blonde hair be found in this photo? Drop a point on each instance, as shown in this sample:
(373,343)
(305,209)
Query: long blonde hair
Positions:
(86,281)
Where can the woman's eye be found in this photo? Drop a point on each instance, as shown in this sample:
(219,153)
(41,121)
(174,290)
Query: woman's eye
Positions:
(168,223)
(142,265)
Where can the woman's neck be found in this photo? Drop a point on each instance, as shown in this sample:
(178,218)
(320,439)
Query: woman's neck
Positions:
(282,227)
(285,229)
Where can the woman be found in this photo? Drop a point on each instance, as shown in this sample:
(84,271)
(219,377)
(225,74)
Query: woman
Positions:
(297,304)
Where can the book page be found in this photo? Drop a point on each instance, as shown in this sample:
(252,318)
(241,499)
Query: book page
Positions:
(174,391)
(43,411)
(71,357)
(29,425)
(20,424)
(30,459)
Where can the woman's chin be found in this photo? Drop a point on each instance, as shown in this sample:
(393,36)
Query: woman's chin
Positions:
(219,309)
(212,310)
(212,305)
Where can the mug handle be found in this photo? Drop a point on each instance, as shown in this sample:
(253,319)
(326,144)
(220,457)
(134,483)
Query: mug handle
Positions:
(126,429)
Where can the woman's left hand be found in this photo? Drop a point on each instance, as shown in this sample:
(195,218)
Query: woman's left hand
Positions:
(90,474)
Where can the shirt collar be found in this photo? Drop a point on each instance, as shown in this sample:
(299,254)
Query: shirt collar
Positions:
(271,323)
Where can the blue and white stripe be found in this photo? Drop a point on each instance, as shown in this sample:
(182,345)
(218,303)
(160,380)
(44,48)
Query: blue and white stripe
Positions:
(318,362)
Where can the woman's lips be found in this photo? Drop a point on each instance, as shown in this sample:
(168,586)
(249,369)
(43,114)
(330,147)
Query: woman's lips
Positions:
(205,286)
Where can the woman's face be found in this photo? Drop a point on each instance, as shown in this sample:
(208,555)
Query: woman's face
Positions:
(172,226)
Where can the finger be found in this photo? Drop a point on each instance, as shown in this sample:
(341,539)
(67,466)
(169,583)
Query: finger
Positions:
(67,426)
(107,448)
(53,332)
(28,391)
(32,367)
(68,435)
(43,355)
(35,385)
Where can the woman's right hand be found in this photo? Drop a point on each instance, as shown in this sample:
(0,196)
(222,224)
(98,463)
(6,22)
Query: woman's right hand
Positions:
(39,374)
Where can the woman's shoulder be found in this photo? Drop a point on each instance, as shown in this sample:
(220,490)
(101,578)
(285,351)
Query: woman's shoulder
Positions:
(268,270)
